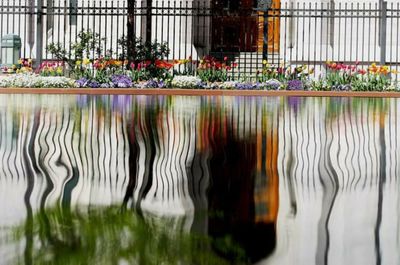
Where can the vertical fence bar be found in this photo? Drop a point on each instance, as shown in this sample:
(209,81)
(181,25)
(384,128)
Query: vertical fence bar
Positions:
(39,33)
(397,37)
(106,11)
(180,30)
(303,20)
(340,31)
(265,36)
(24,27)
(376,19)
(73,20)
(345,38)
(315,36)
(291,29)
(100,16)
(309,35)
(8,16)
(285,46)
(363,32)
(148,19)
(351,32)
(156,9)
(382,31)
(174,31)
(321,39)
(357,30)
(1,19)
(298,16)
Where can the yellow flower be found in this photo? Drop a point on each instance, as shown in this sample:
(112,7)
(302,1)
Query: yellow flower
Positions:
(78,63)
(264,62)
(59,70)
(20,61)
(86,61)
(30,60)
(117,63)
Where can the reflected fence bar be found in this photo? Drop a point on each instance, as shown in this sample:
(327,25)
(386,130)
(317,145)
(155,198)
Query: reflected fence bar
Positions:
(287,33)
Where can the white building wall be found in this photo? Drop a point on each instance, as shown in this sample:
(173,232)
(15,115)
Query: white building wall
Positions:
(306,39)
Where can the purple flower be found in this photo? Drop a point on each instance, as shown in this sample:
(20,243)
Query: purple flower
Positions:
(247,86)
(203,85)
(161,84)
(155,84)
(93,84)
(82,82)
(295,85)
(272,84)
(121,81)
(151,84)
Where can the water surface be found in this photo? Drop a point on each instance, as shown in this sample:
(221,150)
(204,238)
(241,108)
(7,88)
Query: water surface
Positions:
(198,180)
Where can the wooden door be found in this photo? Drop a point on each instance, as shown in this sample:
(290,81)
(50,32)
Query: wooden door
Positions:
(273,28)
(236,27)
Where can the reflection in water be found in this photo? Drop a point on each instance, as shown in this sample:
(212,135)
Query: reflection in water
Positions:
(211,171)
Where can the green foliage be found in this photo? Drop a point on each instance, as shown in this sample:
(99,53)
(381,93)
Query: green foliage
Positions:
(371,82)
(88,45)
(147,59)
(111,235)
(283,73)
(212,70)
(143,50)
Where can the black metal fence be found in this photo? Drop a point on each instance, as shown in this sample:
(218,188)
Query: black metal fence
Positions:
(291,34)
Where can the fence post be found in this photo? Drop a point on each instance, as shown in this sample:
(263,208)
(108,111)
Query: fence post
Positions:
(264,6)
(265,36)
(382,30)
(39,33)
(149,4)
(131,36)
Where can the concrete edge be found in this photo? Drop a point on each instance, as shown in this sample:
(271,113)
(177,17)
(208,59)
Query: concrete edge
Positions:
(197,92)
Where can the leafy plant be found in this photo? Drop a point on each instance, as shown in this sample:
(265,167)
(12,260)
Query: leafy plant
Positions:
(156,53)
(51,69)
(185,67)
(346,77)
(340,75)
(88,45)
(283,73)
(211,70)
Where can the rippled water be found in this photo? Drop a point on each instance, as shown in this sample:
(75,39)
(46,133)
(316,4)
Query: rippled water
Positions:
(198,180)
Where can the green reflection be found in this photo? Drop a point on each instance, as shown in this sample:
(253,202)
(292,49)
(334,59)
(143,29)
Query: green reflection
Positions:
(110,235)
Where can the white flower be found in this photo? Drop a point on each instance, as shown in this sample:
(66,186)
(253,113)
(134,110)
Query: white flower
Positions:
(228,85)
(185,81)
(36,81)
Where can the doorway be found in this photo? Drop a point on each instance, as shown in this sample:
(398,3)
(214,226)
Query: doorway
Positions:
(237,27)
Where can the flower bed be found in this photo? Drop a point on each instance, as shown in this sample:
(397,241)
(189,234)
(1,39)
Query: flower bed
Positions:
(88,67)
(36,81)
